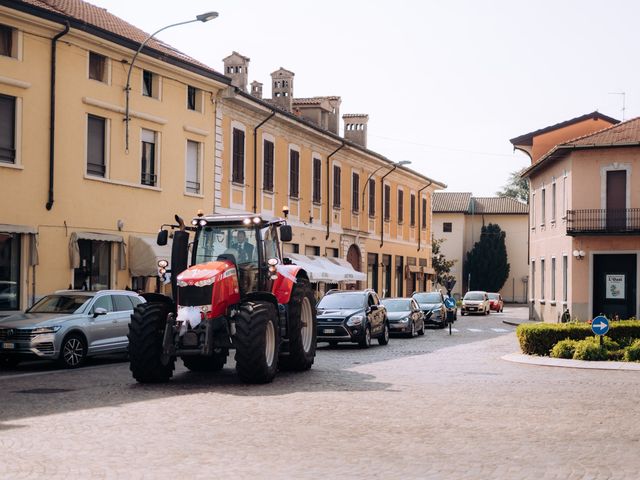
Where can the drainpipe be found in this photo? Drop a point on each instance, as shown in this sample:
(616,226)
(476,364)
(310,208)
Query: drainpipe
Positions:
(419,218)
(255,160)
(52,112)
(382,203)
(328,190)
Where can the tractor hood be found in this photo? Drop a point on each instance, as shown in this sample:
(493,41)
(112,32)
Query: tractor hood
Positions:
(206,273)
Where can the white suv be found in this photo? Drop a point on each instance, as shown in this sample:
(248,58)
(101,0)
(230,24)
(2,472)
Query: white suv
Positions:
(475,302)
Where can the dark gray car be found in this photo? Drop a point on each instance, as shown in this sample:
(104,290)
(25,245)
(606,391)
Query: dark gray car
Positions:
(68,326)
(404,316)
(432,302)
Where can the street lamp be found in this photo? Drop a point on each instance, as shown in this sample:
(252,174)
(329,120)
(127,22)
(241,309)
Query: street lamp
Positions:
(395,165)
(366,184)
(204,17)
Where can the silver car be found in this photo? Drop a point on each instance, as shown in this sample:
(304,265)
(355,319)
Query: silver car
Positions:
(68,326)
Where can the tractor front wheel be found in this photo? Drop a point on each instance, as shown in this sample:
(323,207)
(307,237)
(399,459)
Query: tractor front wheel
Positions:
(302,329)
(257,343)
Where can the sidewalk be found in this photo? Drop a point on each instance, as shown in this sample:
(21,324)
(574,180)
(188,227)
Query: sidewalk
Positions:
(561,362)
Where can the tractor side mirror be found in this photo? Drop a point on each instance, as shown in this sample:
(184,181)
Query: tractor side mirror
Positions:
(163,236)
(286,233)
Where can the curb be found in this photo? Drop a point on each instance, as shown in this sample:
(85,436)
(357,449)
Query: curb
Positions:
(515,323)
(566,363)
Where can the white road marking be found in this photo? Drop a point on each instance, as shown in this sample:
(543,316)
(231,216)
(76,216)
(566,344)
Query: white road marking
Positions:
(454,329)
(499,330)
(474,329)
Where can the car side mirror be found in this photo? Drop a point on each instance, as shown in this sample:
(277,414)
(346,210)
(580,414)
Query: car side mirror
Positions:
(99,311)
(286,233)
(163,236)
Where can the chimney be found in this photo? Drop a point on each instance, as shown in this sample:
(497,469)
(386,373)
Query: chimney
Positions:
(355,128)
(256,89)
(282,88)
(334,116)
(236,67)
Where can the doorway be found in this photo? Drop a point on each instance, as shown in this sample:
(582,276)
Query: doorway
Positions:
(616,200)
(615,285)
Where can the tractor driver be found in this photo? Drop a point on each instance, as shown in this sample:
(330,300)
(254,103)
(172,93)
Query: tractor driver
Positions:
(244,248)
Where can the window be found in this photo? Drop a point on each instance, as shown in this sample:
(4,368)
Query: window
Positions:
(237,173)
(94,271)
(317,180)
(148,176)
(10,271)
(400,206)
(194,99)
(533,210)
(447,227)
(267,173)
(565,275)
(564,196)
(553,279)
(533,280)
(412,206)
(193,167)
(553,202)
(424,213)
(147,83)
(97,67)
(336,186)
(399,275)
(294,173)
(372,198)
(7,44)
(543,206)
(387,202)
(542,279)
(355,190)
(96,135)
(7,129)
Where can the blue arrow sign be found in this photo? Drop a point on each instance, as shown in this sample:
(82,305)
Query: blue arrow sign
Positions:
(600,325)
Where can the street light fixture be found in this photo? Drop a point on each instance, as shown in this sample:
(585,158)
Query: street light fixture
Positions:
(366,184)
(203,17)
(395,165)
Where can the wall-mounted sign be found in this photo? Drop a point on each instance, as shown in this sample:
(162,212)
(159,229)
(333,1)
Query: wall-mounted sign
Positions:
(615,286)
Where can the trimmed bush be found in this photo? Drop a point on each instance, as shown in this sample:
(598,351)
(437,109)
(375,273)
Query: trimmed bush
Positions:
(540,338)
(564,349)
(590,349)
(632,353)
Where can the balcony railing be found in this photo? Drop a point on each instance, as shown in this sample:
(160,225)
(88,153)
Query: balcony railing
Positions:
(603,222)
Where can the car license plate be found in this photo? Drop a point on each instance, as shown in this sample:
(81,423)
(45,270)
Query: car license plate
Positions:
(472,309)
(8,346)
(329,330)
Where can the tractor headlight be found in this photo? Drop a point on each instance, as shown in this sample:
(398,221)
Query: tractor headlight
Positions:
(163,264)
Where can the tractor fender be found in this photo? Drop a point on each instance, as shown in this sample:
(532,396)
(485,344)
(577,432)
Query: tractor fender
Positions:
(151,297)
(283,285)
(262,297)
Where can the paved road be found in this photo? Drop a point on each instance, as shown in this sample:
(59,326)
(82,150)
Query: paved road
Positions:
(435,407)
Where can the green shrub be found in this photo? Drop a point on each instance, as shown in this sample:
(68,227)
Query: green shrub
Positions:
(616,355)
(564,348)
(632,352)
(539,338)
(590,349)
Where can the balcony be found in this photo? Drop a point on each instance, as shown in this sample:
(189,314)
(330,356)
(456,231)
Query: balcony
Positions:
(603,222)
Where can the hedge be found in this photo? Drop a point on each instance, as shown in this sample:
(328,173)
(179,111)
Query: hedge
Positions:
(539,338)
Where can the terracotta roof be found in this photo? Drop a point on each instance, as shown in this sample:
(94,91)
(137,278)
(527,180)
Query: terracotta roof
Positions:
(100,18)
(308,101)
(527,138)
(625,134)
(451,202)
(355,115)
(498,205)
(236,54)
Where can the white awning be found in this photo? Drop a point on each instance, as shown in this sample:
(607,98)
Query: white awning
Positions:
(144,254)
(6,228)
(326,269)
(74,250)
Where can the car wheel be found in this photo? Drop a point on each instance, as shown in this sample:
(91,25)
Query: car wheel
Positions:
(384,338)
(413,330)
(73,351)
(365,341)
(421,331)
(487,311)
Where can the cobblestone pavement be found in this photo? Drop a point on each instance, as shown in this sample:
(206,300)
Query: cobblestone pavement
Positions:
(433,407)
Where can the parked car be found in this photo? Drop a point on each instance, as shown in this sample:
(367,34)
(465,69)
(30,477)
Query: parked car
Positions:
(432,302)
(404,316)
(475,302)
(452,311)
(69,326)
(354,316)
(495,302)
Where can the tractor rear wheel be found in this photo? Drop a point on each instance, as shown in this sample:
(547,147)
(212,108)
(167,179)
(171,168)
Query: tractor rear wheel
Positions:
(257,343)
(214,363)
(148,364)
(302,329)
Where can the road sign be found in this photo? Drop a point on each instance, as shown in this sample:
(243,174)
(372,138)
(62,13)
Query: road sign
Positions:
(600,325)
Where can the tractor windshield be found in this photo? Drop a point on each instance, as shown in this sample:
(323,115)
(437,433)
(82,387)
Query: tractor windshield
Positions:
(237,241)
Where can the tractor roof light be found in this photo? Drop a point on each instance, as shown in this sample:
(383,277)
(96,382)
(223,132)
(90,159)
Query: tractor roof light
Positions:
(194,222)
(203,222)
(257,220)
(272,262)
(246,221)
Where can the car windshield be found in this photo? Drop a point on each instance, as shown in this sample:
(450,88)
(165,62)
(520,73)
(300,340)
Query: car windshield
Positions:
(432,297)
(238,241)
(397,305)
(59,303)
(474,296)
(342,300)
(493,296)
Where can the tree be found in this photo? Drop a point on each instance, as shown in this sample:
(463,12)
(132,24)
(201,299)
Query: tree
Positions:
(440,264)
(517,187)
(487,262)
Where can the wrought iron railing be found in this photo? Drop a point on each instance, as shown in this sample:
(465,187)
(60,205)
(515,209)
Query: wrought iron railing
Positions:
(623,221)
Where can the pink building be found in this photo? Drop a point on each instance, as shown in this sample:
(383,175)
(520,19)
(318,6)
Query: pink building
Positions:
(585,226)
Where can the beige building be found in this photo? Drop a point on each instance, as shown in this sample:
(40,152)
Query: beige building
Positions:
(458,218)
(585,226)
(88,175)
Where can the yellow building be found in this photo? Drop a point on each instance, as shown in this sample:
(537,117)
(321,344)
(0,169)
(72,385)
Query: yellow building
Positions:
(87,177)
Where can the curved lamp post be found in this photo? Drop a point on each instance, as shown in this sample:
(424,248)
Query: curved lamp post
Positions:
(366,183)
(204,17)
(395,165)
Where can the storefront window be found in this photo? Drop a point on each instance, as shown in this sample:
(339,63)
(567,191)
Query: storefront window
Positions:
(9,271)
(95,263)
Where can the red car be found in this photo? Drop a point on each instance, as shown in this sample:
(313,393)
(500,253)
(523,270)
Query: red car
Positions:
(495,302)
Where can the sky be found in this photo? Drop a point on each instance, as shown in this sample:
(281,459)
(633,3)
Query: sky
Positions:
(446,84)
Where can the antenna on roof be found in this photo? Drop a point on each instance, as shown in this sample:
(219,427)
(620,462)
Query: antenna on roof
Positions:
(624,96)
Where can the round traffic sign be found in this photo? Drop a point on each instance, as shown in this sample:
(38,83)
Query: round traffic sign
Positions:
(600,325)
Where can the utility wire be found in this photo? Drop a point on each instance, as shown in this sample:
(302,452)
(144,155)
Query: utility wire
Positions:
(441,147)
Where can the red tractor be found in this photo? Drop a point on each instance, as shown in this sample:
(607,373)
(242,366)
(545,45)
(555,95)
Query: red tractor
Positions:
(236,292)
